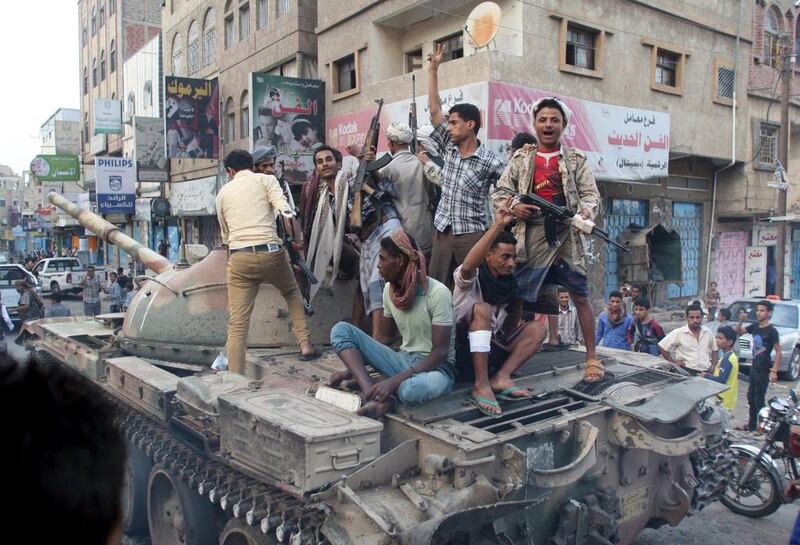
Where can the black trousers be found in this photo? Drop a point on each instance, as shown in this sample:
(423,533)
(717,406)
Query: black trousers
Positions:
(756,394)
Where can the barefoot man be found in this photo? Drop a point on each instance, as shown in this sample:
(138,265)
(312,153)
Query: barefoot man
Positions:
(420,309)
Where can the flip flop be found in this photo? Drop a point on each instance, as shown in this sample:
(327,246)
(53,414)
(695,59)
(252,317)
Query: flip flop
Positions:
(547,347)
(308,357)
(478,400)
(505,395)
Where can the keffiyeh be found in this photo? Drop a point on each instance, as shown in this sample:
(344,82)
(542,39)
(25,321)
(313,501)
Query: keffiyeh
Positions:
(403,295)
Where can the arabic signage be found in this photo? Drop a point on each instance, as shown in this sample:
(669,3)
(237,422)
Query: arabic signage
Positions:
(148,138)
(107,116)
(116,185)
(56,168)
(766,235)
(194,198)
(191,111)
(289,114)
(729,272)
(755,271)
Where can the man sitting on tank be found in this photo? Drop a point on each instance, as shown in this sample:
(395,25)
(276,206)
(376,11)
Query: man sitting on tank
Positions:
(492,341)
(420,309)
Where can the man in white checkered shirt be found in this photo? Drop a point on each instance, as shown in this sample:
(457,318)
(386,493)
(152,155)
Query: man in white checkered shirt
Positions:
(469,169)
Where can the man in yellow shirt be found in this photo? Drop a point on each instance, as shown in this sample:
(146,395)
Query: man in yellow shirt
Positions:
(246,213)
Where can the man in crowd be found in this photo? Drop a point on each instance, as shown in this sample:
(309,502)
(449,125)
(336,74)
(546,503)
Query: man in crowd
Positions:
(264,160)
(30,304)
(691,346)
(712,299)
(246,208)
(488,315)
(92,286)
(469,169)
(613,324)
(66,456)
(56,308)
(115,291)
(418,307)
(560,175)
(122,278)
(764,369)
(645,332)
(405,173)
(569,331)
(723,319)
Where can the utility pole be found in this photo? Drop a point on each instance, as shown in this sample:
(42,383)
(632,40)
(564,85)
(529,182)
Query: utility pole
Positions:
(783,156)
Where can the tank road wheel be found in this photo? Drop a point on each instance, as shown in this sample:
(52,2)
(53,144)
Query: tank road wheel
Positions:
(176,514)
(134,491)
(238,532)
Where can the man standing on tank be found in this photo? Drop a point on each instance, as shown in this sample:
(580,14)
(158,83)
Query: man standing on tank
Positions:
(245,210)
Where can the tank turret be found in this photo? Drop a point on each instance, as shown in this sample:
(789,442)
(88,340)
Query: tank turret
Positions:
(182,314)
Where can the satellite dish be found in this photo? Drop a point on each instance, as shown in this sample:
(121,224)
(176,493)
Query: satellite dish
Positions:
(482,24)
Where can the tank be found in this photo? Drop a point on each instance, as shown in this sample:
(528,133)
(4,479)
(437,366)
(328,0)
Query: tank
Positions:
(276,457)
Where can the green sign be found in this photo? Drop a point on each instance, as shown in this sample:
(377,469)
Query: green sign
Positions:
(56,168)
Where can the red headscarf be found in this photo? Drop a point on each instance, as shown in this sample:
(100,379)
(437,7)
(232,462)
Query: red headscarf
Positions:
(403,295)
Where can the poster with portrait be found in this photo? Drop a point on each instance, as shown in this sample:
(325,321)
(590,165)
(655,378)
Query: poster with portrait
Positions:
(289,114)
(191,117)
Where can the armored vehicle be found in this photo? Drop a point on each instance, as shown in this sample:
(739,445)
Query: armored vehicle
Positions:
(222,458)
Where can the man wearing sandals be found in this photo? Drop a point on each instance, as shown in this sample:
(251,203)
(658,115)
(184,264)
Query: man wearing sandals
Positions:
(562,176)
(487,312)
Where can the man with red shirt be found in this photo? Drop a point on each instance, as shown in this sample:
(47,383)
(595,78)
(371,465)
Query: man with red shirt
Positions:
(562,176)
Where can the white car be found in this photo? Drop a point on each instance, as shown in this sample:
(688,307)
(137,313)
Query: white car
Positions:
(63,274)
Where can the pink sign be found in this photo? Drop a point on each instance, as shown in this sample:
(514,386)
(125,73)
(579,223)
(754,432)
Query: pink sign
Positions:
(729,264)
(344,130)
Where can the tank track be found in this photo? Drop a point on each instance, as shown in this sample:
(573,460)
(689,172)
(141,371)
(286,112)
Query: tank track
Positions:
(713,469)
(290,520)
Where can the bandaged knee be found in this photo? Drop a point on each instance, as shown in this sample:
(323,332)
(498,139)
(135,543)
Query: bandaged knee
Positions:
(480,341)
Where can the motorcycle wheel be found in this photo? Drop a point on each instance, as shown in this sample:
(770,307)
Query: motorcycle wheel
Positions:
(758,497)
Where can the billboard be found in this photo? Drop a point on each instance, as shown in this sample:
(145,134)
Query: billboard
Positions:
(288,113)
(116,185)
(107,116)
(56,168)
(191,113)
(148,137)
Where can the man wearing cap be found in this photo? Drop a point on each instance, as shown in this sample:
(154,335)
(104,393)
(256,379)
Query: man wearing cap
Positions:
(246,212)
(264,159)
(562,176)
(405,173)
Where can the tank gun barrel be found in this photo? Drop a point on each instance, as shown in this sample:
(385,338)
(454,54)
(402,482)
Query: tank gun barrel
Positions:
(111,234)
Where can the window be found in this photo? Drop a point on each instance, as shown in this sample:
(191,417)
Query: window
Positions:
(580,48)
(283,7)
(346,75)
(85,128)
(177,56)
(768,142)
(230,121)
(102,14)
(724,83)
(413,60)
(85,80)
(112,7)
(244,116)
(130,106)
(453,47)
(112,58)
(244,21)
(209,38)
(102,66)
(94,21)
(667,68)
(147,93)
(263,13)
(771,30)
(193,49)
(228,31)
(94,72)
(83,34)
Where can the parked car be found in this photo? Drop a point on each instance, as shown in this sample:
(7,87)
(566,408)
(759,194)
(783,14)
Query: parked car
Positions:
(9,274)
(785,318)
(63,274)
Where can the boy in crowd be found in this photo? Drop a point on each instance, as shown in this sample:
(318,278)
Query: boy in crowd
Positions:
(644,333)
(727,369)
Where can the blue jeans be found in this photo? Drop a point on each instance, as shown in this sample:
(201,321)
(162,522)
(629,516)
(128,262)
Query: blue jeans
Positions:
(419,388)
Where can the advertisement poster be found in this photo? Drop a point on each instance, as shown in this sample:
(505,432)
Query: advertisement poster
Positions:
(148,138)
(56,168)
(191,114)
(755,271)
(107,116)
(116,185)
(288,113)
(729,269)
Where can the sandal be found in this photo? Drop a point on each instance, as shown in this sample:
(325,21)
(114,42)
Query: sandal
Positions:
(312,356)
(480,401)
(507,394)
(594,371)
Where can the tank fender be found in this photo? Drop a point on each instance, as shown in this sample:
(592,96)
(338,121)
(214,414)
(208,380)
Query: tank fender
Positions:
(768,462)
(628,432)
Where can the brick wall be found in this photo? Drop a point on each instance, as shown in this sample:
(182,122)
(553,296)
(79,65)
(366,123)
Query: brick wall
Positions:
(762,77)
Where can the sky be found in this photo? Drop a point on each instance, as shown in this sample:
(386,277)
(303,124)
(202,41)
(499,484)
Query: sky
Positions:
(40,69)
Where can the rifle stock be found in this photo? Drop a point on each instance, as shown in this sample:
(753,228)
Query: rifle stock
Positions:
(370,142)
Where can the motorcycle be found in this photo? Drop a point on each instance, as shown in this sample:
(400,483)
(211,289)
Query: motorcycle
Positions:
(759,486)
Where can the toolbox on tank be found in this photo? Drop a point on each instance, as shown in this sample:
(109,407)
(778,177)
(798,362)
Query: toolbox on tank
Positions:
(143,384)
(295,438)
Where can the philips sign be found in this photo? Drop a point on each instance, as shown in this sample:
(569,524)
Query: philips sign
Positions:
(116,185)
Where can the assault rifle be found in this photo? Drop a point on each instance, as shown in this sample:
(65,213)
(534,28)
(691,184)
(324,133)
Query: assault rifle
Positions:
(553,212)
(289,230)
(365,167)
(412,115)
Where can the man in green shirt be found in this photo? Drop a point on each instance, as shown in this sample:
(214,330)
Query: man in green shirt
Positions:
(420,309)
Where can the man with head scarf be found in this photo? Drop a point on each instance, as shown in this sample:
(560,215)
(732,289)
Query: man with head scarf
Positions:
(264,159)
(562,176)
(406,174)
(420,309)
(487,314)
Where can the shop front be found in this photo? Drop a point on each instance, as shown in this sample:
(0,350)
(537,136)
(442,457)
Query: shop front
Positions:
(193,203)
